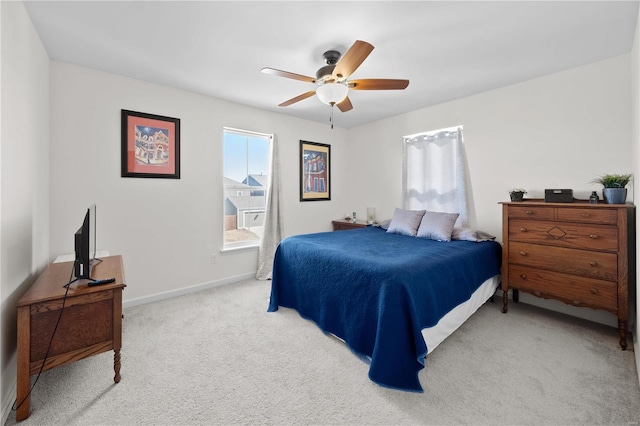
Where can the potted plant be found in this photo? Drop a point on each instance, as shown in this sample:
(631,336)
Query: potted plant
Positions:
(517,194)
(614,191)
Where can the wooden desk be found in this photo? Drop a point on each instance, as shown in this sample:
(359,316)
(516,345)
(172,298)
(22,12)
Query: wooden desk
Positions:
(91,322)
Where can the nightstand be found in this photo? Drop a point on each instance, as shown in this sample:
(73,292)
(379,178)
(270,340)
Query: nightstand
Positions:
(342,225)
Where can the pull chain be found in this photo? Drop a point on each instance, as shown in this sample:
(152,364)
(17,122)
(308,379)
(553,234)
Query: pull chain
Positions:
(331,117)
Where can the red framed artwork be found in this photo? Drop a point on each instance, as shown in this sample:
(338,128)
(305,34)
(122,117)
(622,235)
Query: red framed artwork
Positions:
(150,145)
(315,171)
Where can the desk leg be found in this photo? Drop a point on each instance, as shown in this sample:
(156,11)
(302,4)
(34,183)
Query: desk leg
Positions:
(23,398)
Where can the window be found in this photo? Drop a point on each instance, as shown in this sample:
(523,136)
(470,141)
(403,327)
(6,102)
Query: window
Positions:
(434,172)
(246,165)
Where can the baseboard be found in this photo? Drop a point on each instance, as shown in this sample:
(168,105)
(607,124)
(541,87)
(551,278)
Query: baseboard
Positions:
(597,316)
(186,290)
(9,398)
(8,402)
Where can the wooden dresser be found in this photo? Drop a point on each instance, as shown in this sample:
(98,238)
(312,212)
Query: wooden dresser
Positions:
(579,253)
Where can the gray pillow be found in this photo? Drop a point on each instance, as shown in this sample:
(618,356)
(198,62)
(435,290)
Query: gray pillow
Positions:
(437,226)
(405,222)
(468,234)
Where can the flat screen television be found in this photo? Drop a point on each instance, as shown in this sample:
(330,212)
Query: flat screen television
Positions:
(85,245)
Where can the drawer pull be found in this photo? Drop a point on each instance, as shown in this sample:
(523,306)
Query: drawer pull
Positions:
(576,302)
(523,276)
(593,263)
(537,293)
(523,229)
(523,253)
(529,212)
(585,215)
(594,290)
(593,236)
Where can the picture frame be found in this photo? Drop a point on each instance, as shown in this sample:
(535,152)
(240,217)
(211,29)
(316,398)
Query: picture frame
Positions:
(315,171)
(150,145)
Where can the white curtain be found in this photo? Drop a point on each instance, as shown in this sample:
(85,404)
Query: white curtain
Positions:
(434,173)
(273,228)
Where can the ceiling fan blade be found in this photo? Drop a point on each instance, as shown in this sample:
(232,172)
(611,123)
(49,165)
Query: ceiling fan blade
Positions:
(351,60)
(287,74)
(298,98)
(378,84)
(345,105)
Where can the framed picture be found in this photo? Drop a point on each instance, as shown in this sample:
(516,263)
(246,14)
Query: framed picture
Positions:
(315,171)
(150,145)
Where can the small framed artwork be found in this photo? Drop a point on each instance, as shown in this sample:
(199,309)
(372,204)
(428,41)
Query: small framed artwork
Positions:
(315,171)
(150,145)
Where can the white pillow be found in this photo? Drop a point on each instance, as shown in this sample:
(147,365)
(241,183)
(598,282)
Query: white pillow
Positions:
(384,224)
(437,226)
(468,234)
(405,222)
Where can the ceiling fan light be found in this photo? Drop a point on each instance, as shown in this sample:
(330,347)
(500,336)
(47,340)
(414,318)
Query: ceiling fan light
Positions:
(332,93)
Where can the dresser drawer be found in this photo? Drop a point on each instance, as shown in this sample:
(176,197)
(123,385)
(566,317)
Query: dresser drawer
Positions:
(571,289)
(600,216)
(570,235)
(585,263)
(531,212)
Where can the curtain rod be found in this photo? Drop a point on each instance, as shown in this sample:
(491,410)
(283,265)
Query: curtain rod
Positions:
(248,132)
(435,132)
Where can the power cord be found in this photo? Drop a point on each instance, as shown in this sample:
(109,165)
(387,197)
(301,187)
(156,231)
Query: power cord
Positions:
(64,299)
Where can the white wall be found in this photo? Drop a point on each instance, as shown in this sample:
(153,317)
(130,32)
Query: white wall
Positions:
(166,229)
(24,174)
(558,131)
(635,140)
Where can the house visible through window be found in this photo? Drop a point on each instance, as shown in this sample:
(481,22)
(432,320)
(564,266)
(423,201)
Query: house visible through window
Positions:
(246,164)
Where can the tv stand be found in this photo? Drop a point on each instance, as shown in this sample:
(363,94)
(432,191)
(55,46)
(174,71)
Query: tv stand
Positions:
(91,322)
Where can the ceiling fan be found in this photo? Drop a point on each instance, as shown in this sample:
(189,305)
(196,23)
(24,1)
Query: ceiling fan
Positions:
(331,79)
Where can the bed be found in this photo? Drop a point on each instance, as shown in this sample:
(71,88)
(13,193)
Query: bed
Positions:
(391,298)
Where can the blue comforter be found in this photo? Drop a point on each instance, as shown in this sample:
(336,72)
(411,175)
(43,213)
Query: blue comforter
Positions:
(377,291)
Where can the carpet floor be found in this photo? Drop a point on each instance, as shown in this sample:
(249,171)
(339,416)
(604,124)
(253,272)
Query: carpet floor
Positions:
(217,357)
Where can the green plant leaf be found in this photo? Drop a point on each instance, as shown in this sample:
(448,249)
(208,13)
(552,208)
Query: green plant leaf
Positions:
(613,180)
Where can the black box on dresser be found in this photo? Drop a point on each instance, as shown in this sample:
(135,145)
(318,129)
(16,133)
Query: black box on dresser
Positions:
(558,195)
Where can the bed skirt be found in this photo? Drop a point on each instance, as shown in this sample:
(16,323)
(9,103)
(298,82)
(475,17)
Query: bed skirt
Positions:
(435,335)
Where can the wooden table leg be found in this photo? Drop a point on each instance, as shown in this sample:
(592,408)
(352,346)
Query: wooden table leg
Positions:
(622,329)
(505,301)
(116,365)
(23,397)
(117,332)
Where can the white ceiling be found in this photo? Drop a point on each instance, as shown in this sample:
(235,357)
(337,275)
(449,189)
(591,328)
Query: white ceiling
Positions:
(447,49)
